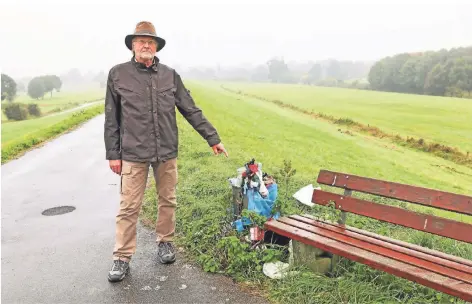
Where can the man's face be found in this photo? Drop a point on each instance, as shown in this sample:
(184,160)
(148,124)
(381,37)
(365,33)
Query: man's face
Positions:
(144,47)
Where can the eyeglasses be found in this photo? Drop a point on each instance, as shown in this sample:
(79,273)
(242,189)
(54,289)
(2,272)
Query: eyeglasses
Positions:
(144,42)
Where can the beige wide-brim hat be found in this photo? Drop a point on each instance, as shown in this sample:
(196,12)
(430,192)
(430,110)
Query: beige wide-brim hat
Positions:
(145,28)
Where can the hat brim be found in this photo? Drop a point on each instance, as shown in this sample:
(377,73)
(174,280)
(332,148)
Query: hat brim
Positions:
(160,41)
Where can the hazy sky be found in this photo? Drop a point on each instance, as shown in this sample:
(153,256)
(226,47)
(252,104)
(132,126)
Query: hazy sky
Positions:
(39,37)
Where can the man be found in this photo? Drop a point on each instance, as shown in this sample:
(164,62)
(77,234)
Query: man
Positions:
(140,132)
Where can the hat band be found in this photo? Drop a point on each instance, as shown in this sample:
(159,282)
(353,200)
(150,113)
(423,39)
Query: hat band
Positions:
(144,33)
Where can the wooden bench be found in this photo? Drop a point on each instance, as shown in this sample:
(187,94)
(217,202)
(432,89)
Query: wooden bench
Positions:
(440,271)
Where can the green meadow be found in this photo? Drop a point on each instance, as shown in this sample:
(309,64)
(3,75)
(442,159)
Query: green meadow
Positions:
(254,128)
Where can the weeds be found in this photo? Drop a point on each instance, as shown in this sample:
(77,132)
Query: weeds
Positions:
(206,233)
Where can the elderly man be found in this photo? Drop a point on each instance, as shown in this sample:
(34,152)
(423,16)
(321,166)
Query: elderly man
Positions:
(140,132)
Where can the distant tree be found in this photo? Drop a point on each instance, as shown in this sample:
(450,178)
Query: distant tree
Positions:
(468,70)
(278,71)
(260,74)
(437,81)
(334,70)
(57,82)
(316,73)
(36,88)
(407,78)
(73,77)
(461,74)
(50,83)
(443,72)
(8,88)
(376,75)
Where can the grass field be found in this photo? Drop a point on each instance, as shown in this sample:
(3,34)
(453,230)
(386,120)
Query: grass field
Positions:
(251,128)
(16,130)
(60,101)
(59,113)
(63,101)
(27,134)
(444,120)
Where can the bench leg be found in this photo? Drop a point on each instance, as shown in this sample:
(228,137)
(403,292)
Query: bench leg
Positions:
(317,260)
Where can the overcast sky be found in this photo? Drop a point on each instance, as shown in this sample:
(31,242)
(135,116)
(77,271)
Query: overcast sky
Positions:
(39,37)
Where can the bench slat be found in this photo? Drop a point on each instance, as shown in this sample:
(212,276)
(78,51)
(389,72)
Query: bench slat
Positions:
(380,250)
(423,222)
(416,274)
(350,234)
(429,252)
(413,194)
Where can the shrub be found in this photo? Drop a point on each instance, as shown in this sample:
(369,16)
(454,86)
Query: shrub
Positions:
(34,110)
(15,111)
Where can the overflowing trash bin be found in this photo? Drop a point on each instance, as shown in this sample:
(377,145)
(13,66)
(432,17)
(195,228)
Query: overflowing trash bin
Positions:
(253,190)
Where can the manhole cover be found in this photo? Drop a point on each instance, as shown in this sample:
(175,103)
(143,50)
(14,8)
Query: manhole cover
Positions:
(58,210)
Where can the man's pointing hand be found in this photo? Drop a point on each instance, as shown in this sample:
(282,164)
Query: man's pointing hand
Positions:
(218,149)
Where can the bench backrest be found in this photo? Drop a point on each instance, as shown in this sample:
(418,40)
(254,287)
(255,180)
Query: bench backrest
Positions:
(456,203)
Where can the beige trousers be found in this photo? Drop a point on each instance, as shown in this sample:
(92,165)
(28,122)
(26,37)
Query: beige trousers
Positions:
(133,183)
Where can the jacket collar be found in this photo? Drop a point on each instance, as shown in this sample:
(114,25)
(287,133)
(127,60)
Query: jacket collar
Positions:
(139,65)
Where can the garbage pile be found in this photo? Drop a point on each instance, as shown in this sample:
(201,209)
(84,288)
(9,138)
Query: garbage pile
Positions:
(256,191)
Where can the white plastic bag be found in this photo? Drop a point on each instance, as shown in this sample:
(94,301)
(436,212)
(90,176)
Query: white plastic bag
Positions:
(305,195)
(275,270)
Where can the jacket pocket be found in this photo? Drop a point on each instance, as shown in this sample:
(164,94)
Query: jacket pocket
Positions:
(129,93)
(166,98)
(167,89)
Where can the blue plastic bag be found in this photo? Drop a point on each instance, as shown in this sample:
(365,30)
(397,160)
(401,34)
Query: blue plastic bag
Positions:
(260,205)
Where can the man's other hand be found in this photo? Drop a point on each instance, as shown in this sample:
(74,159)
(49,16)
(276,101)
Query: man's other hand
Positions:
(115,166)
(219,148)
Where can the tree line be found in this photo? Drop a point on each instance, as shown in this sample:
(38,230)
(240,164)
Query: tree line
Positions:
(440,73)
(329,72)
(37,87)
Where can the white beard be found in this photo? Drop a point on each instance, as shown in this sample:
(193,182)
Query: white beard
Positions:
(145,55)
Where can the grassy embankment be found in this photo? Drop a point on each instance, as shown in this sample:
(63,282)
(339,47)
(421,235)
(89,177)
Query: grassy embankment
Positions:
(271,134)
(60,101)
(409,120)
(20,136)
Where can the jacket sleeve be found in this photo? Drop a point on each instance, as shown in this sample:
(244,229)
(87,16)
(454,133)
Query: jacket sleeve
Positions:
(194,115)
(112,121)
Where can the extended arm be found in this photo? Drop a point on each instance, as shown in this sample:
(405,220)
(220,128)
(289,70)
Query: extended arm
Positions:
(186,106)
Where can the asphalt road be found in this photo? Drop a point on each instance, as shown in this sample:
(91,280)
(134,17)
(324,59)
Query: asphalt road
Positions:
(66,258)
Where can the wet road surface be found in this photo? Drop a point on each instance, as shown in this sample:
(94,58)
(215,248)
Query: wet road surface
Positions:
(66,258)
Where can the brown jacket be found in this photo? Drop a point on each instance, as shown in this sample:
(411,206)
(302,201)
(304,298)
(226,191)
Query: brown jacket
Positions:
(140,116)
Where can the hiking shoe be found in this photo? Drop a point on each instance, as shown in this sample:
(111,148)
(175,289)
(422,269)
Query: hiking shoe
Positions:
(118,271)
(165,253)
